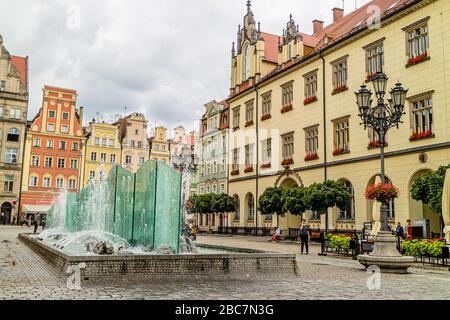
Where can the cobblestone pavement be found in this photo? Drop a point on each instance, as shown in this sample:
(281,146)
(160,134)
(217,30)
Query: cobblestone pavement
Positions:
(23,275)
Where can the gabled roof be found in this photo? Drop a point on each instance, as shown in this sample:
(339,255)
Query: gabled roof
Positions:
(270,47)
(21,64)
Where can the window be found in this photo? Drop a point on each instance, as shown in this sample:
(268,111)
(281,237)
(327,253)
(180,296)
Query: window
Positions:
(97,141)
(93,156)
(266,103)
(223,165)
(62,145)
(237,216)
(266,151)
(374,58)
(13,134)
(222,188)
(312,140)
(110,142)
(64,128)
(2,85)
(163,147)
(315,216)
(15,114)
(48,162)
(9,183)
(47,182)
(288,146)
(133,143)
(349,212)
(1,111)
(36,143)
(104,141)
(340,74)
(102,157)
(341,134)
(113,158)
(11,156)
(235,165)
(72,183)
(141,161)
(139,144)
(50,144)
(33,181)
(61,163)
(287,93)
(50,127)
(51,114)
(73,164)
(60,183)
(136,132)
(65,115)
(35,161)
(128,159)
(249,161)
(236,117)
(422,116)
(92,175)
(74,146)
(246,62)
(249,113)
(417,39)
(310,84)
(251,207)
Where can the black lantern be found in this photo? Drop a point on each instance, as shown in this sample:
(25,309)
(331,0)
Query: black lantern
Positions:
(380,83)
(398,96)
(363,99)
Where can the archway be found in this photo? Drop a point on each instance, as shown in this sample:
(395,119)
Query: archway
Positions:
(237,214)
(289,220)
(421,213)
(348,213)
(249,208)
(6,211)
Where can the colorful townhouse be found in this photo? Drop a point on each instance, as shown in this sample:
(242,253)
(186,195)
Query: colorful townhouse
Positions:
(53,151)
(159,146)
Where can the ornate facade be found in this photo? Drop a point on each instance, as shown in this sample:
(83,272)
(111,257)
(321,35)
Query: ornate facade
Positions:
(159,147)
(13,119)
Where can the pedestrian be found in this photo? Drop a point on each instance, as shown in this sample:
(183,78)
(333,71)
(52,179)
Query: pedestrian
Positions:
(400,234)
(37,219)
(408,229)
(2,219)
(304,236)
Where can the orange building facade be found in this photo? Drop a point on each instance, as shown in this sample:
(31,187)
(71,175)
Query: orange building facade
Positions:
(53,151)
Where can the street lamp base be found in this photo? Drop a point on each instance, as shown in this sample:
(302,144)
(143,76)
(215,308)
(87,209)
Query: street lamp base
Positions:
(386,256)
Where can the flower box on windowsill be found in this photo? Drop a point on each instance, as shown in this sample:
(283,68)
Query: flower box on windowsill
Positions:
(311,157)
(422,136)
(339,90)
(310,100)
(340,151)
(234,173)
(248,169)
(287,162)
(266,165)
(371,76)
(375,145)
(418,59)
(287,108)
(235,128)
(248,124)
(266,117)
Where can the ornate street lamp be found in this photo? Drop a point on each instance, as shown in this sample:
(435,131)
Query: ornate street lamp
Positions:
(381,118)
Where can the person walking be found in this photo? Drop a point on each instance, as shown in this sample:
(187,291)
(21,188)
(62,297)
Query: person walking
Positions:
(304,236)
(400,234)
(37,220)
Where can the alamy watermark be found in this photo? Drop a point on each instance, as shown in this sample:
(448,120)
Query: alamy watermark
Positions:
(374,280)
(74,280)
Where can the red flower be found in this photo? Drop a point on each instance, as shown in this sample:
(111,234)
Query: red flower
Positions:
(340,89)
(381,192)
(311,157)
(417,59)
(248,169)
(287,162)
(422,135)
(266,117)
(287,108)
(339,151)
(234,172)
(266,165)
(310,100)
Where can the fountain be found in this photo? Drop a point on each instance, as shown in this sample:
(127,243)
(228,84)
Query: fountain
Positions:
(131,227)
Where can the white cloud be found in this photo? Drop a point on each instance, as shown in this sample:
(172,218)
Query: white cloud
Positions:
(164,58)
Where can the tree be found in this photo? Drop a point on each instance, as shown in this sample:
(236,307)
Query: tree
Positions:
(270,202)
(321,196)
(293,201)
(429,187)
(222,203)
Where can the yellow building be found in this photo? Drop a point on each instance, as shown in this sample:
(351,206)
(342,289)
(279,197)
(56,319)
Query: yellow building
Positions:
(297,122)
(159,147)
(101,152)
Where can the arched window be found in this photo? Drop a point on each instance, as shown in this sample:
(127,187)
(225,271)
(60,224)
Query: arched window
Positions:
(250,207)
(13,134)
(246,62)
(349,212)
(237,215)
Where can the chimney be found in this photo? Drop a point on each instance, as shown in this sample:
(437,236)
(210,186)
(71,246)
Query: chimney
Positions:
(337,14)
(317,26)
(80,113)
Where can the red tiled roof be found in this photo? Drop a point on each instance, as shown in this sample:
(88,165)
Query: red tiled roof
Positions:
(21,65)
(270,47)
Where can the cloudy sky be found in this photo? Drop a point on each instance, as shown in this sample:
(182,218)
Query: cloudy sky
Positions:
(163,58)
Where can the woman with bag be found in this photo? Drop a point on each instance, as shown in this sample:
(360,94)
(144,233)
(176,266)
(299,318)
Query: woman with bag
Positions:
(304,236)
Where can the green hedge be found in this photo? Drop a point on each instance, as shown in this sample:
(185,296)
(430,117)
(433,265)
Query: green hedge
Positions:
(339,241)
(418,248)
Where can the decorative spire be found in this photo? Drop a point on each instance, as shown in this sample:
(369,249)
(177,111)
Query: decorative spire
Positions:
(233,51)
(259,26)
(249,5)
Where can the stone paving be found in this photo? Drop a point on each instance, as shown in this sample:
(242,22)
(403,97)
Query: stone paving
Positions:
(23,275)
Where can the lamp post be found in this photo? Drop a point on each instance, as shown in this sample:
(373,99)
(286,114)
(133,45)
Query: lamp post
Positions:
(381,118)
